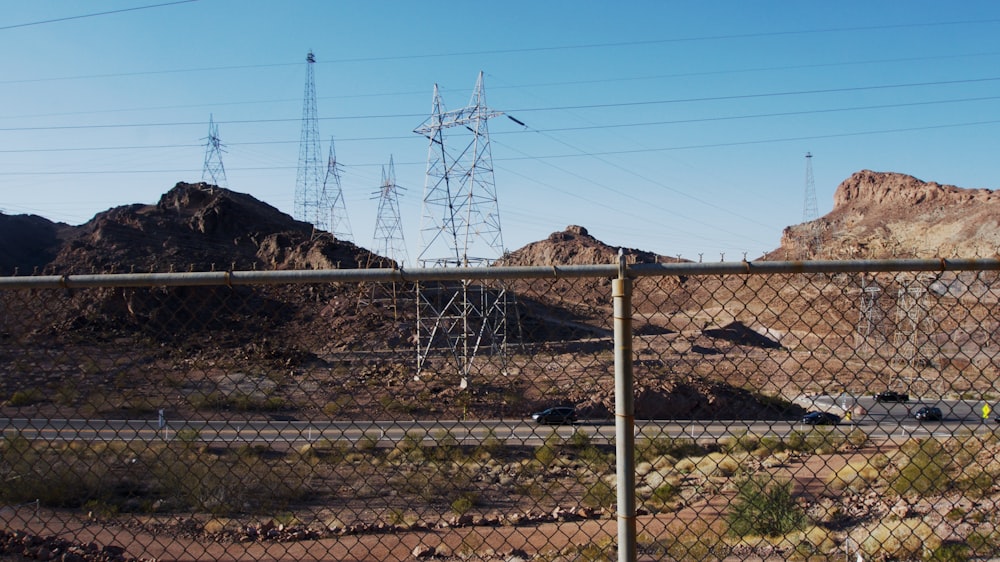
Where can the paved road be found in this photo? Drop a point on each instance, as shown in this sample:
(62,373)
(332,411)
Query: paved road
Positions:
(881,421)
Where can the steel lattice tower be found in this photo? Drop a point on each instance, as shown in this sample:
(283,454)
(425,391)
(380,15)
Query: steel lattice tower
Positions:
(213,170)
(333,195)
(388,239)
(311,204)
(810,212)
(869,317)
(460,227)
(388,242)
(810,209)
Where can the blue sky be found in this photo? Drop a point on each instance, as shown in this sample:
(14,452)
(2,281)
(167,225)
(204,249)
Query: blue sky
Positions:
(674,127)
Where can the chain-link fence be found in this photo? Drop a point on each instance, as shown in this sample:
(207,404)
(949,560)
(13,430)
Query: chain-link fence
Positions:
(771,410)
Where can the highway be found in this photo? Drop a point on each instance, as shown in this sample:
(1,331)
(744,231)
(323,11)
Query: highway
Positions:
(882,421)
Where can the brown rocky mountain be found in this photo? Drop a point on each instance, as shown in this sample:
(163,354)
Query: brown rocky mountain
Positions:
(883,215)
(29,242)
(304,328)
(203,227)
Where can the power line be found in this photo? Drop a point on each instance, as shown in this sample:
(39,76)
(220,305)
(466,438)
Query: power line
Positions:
(639,43)
(763,95)
(560,108)
(563,156)
(533,130)
(95,14)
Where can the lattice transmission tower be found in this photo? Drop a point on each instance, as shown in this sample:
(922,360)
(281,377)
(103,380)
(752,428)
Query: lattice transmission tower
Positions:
(810,209)
(333,195)
(311,203)
(388,243)
(810,212)
(460,227)
(913,320)
(388,239)
(213,170)
(868,337)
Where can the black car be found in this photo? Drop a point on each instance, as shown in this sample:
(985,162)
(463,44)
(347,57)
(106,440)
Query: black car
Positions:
(929,413)
(821,418)
(891,396)
(557,415)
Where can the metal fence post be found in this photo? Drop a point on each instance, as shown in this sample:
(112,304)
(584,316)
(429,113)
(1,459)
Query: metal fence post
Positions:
(624,413)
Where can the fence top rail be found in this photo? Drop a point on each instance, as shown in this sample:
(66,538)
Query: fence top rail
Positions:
(232,278)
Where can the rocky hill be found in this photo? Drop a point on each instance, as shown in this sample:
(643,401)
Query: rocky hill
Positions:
(314,330)
(882,215)
(29,242)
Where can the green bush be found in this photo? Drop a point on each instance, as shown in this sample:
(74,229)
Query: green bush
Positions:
(925,469)
(599,494)
(764,506)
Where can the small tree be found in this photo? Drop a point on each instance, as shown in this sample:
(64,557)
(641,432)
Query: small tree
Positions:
(764,506)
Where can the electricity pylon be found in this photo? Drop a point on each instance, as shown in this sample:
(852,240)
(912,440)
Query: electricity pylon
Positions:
(213,170)
(388,239)
(460,227)
(810,212)
(388,242)
(810,209)
(311,204)
(332,193)
(868,336)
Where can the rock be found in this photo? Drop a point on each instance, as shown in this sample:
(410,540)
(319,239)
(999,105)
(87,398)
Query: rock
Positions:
(423,551)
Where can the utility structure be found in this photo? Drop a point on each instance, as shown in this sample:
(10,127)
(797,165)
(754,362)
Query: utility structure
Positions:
(388,239)
(810,212)
(333,194)
(311,203)
(460,227)
(213,170)
(868,336)
(388,243)
(913,320)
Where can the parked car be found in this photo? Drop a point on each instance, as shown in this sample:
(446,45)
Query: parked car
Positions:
(891,396)
(929,413)
(821,418)
(557,415)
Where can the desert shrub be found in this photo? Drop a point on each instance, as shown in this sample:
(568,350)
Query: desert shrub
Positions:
(367,442)
(949,552)
(764,506)
(772,443)
(548,452)
(491,444)
(855,475)
(444,447)
(56,479)
(982,544)
(741,442)
(924,469)
(816,440)
(651,448)
(464,502)
(580,439)
(599,494)
(896,539)
(25,397)
(224,484)
(975,482)
(857,438)
(712,464)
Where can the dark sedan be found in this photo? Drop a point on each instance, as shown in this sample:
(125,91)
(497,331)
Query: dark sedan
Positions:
(891,396)
(929,413)
(557,415)
(821,418)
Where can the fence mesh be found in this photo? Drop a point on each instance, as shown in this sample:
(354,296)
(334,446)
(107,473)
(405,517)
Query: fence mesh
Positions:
(812,416)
